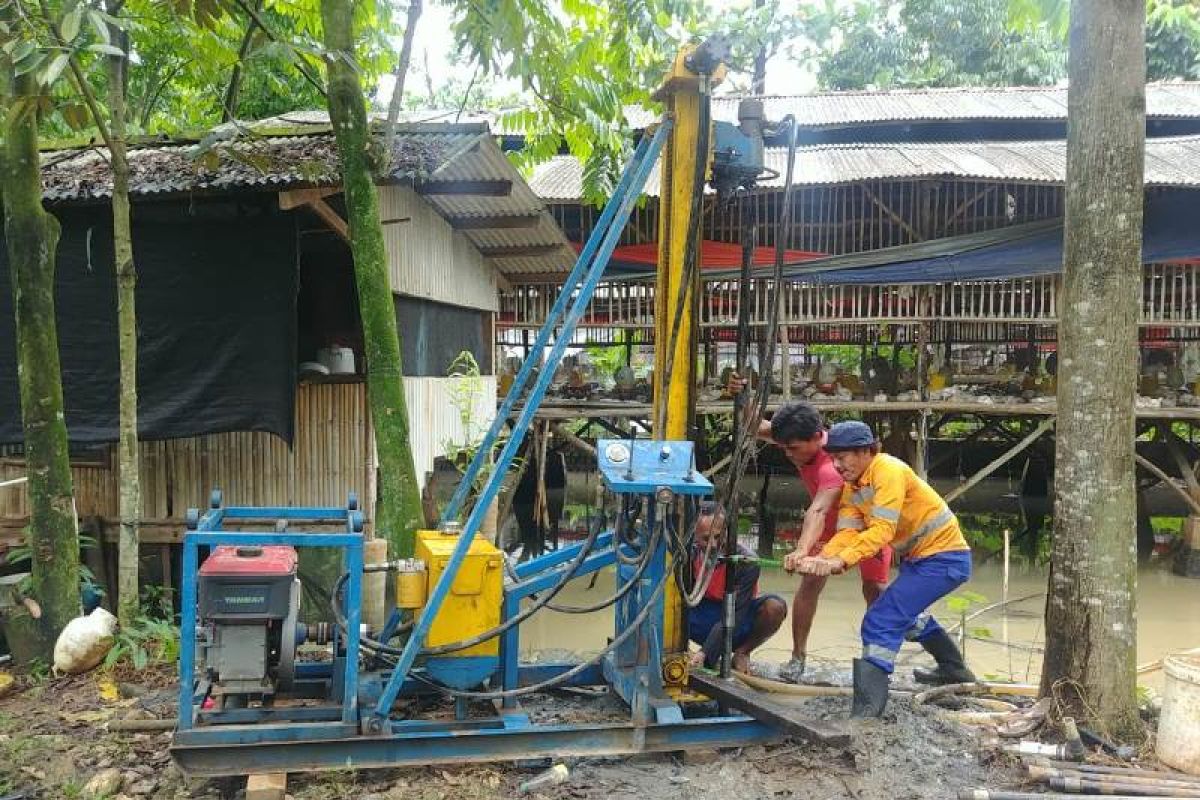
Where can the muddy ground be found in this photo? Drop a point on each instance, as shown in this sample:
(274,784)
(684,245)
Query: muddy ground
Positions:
(53,740)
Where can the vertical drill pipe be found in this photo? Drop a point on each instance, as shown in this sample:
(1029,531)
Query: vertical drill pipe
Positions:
(748,234)
(417,640)
(544,333)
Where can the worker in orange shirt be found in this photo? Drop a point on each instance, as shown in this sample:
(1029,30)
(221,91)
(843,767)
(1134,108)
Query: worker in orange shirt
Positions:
(884,502)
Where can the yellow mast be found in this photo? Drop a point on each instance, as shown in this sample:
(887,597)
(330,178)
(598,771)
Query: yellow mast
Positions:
(683,94)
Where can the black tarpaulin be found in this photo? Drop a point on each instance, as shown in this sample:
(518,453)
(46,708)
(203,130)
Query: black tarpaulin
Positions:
(216,310)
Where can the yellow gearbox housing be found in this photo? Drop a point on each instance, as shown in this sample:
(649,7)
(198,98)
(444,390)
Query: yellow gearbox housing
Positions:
(474,601)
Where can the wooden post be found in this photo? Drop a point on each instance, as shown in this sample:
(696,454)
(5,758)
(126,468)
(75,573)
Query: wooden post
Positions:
(922,454)
(785,362)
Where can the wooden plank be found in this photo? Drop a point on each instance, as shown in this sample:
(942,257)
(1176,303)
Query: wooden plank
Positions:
(1045,425)
(270,786)
(505,221)
(294,198)
(769,712)
(1150,467)
(331,218)
(1181,461)
(480,188)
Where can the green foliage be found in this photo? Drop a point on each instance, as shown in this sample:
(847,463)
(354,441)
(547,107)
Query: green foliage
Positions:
(148,642)
(1172,32)
(962,602)
(1172,40)
(920,43)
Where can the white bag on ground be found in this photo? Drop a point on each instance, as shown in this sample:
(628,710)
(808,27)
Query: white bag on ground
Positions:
(84,642)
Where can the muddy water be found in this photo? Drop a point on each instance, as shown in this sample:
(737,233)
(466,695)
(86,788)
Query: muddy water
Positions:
(1168,620)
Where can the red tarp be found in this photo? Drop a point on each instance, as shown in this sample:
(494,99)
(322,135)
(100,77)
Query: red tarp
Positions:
(713,255)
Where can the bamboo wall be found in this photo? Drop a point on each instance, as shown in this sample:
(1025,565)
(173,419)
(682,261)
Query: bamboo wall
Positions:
(333,454)
(330,456)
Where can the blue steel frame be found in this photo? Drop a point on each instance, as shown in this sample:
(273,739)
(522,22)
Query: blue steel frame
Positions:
(637,172)
(329,737)
(209,533)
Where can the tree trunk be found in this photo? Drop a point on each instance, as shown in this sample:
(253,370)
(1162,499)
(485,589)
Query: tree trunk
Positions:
(1091,636)
(758,81)
(32,237)
(399,511)
(130,488)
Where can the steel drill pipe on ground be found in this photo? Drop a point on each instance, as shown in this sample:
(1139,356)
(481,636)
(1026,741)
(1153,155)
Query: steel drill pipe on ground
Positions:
(1046,773)
(1135,771)
(1110,787)
(993,794)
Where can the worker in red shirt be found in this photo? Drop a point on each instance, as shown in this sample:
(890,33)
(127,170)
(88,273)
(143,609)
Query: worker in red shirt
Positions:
(756,617)
(799,431)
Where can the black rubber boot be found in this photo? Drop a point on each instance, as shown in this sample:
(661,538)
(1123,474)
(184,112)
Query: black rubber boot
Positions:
(950,665)
(870,690)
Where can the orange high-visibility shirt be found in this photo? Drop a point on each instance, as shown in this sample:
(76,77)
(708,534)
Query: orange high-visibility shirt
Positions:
(890,504)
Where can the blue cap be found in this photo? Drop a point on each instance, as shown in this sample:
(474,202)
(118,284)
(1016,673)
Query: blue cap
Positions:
(849,436)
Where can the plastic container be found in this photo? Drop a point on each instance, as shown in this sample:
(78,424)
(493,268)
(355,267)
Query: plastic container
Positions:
(1178,743)
(338,360)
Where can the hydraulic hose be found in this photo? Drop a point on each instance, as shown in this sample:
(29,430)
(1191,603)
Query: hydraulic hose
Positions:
(643,563)
(558,680)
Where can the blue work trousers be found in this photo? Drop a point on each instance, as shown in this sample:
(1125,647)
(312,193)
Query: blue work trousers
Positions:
(900,614)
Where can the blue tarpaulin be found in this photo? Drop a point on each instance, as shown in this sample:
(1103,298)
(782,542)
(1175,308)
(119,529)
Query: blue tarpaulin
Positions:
(1171,232)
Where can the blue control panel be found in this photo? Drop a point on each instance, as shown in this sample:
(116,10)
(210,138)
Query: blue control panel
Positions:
(643,466)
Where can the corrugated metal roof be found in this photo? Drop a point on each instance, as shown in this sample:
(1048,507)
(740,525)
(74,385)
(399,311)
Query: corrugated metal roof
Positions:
(271,162)
(1170,161)
(1042,103)
(307,156)
(484,160)
(1177,100)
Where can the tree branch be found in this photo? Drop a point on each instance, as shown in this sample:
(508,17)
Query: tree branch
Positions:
(81,85)
(229,105)
(410,29)
(300,64)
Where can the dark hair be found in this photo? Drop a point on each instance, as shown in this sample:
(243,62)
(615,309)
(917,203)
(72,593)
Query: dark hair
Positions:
(796,422)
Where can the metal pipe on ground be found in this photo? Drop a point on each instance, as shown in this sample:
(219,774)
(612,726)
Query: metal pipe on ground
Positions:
(994,794)
(1135,771)
(1047,773)
(1110,787)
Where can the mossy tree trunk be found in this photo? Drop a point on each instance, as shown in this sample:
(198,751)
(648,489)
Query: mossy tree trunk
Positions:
(32,238)
(130,502)
(398,513)
(1091,624)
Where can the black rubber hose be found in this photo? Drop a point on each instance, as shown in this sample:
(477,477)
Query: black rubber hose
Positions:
(647,557)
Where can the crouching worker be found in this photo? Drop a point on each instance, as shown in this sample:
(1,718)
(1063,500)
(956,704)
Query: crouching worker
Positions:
(884,502)
(756,618)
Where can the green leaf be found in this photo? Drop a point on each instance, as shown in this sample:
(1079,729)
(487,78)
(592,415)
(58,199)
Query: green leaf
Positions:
(106,49)
(54,70)
(76,116)
(29,63)
(99,24)
(21,51)
(71,23)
